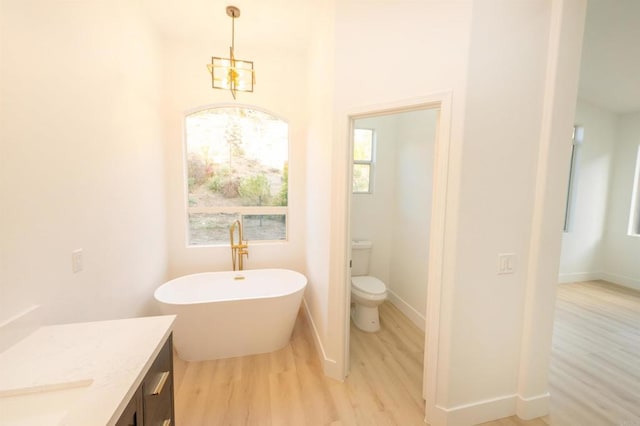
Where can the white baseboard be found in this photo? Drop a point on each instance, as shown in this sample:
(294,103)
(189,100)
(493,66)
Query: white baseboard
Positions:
(329,366)
(492,409)
(622,280)
(416,317)
(476,413)
(533,407)
(578,276)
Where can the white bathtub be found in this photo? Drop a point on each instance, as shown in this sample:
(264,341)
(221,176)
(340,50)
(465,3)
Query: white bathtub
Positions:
(227,314)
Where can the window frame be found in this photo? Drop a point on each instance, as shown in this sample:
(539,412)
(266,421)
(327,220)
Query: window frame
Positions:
(370,163)
(577,138)
(634,211)
(241,211)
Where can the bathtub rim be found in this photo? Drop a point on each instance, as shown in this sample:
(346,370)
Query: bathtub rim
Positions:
(227,300)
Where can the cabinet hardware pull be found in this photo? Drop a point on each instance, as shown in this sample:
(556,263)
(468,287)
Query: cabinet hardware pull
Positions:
(163,379)
(167,422)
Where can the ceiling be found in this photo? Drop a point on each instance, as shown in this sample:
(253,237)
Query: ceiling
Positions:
(280,23)
(610,70)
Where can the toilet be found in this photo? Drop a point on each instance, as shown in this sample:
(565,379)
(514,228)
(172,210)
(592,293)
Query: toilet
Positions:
(367,292)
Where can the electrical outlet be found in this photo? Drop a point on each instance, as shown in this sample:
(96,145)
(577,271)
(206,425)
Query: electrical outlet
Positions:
(506,263)
(76,261)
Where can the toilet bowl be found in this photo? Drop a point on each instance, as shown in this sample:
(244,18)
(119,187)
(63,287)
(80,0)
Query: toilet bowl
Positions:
(367,293)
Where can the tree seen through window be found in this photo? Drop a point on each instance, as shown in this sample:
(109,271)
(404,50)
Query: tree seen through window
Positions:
(237,168)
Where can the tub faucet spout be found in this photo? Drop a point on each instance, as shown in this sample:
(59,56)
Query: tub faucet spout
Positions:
(239,250)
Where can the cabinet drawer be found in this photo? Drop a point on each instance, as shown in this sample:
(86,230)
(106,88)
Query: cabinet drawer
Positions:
(157,389)
(132,415)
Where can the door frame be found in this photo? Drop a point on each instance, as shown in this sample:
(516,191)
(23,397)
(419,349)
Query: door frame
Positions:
(441,222)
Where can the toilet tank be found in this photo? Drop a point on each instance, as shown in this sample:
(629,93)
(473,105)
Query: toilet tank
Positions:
(360,254)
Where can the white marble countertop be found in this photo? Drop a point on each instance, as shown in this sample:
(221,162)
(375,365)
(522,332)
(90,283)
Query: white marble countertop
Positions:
(107,359)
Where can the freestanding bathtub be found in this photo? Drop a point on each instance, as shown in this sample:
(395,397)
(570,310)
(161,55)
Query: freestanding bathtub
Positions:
(233,313)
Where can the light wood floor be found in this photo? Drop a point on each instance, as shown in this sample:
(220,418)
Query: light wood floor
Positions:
(595,364)
(288,387)
(384,385)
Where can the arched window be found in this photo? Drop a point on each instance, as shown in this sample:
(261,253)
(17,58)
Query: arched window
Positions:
(236,168)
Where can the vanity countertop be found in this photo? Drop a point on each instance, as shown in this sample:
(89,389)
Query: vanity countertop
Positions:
(107,360)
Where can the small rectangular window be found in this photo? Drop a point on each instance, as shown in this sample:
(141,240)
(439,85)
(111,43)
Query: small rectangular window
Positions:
(363,150)
(634,216)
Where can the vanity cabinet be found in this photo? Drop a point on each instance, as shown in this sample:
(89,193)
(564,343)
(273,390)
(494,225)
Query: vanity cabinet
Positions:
(132,415)
(157,389)
(152,404)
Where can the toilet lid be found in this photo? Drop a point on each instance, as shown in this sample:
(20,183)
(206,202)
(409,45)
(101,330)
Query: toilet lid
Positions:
(368,284)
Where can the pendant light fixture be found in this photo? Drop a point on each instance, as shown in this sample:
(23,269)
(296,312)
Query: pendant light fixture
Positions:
(230,73)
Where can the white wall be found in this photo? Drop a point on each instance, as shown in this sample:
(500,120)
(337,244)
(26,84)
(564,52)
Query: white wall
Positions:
(412,212)
(502,136)
(320,103)
(186,87)
(82,160)
(552,168)
(622,251)
(582,246)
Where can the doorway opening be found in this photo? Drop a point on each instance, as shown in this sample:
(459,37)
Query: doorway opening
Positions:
(391,205)
(397,201)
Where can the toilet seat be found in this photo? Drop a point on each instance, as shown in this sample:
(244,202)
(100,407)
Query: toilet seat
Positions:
(367,293)
(368,285)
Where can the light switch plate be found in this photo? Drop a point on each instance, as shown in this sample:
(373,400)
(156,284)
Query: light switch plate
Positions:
(506,263)
(76,261)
